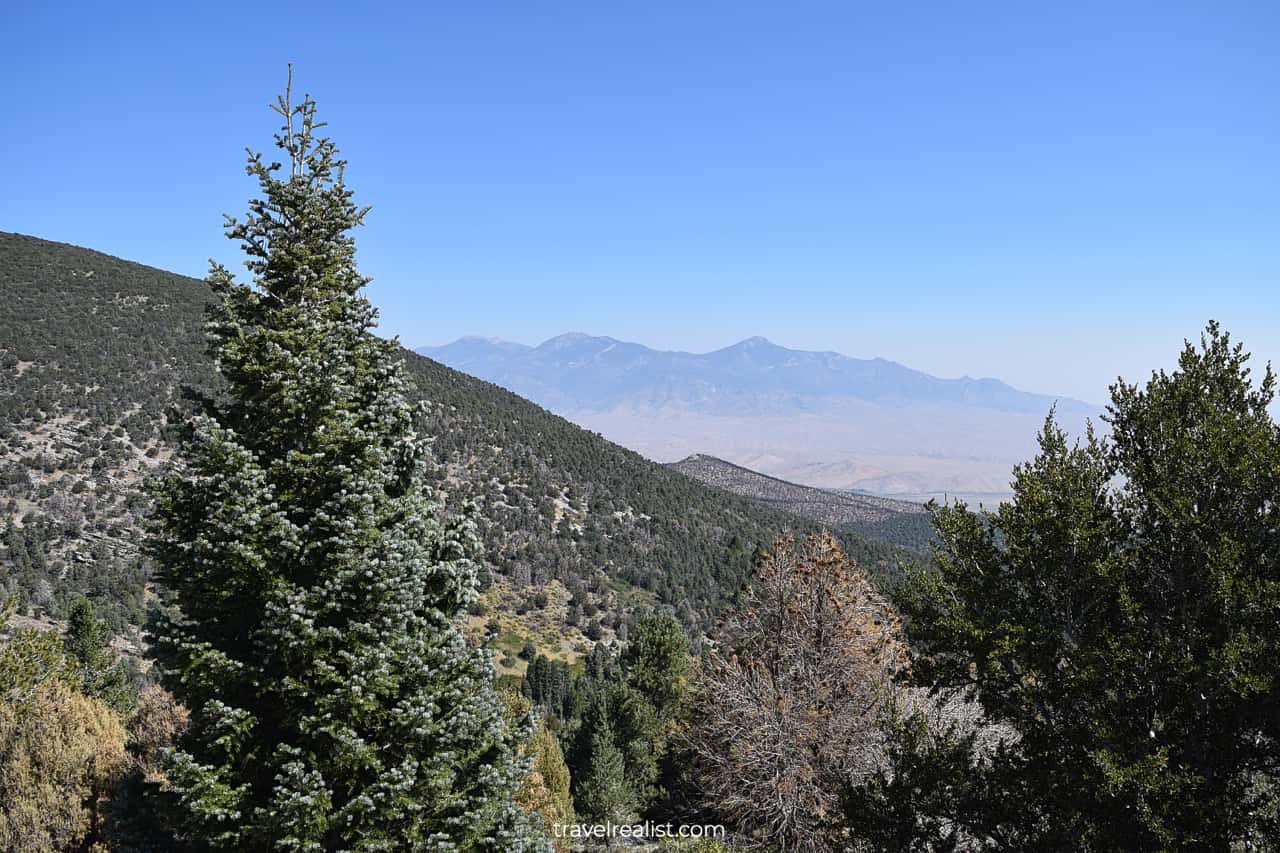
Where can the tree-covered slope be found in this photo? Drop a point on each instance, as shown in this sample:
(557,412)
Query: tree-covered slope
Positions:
(94,350)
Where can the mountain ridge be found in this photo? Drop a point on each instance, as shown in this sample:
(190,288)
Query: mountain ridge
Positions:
(583,343)
(902,523)
(816,418)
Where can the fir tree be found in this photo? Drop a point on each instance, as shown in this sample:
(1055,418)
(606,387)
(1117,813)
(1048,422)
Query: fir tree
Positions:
(657,663)
(603,794)
(87,635)
(102,673)
(1118,617)
(335,703)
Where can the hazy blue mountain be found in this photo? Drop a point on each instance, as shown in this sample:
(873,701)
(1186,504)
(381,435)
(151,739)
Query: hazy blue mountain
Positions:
(816,418)
(588,373)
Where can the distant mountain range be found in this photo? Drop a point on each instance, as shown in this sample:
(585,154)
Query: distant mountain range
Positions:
(819,418)
(753,376)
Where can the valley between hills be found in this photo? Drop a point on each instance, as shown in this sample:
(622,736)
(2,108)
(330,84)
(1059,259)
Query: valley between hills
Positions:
(99,358)
(821,419)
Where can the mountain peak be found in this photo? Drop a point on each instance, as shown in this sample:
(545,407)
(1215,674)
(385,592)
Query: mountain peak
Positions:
(755,344)
(569,339)
(467,349)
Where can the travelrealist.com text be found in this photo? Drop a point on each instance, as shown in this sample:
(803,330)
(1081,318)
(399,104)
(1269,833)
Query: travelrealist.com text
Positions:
(648,829)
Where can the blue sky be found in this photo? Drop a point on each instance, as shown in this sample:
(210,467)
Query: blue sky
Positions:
(1050,193)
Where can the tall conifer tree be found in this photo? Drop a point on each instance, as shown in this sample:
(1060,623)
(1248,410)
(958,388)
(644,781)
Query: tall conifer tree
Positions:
(1118,619)
(335,703)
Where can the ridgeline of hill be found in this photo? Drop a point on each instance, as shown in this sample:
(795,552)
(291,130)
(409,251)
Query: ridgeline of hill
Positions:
(94,351)
(883,519)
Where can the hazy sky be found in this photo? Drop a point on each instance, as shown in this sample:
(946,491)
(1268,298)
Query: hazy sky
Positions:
(1047,192)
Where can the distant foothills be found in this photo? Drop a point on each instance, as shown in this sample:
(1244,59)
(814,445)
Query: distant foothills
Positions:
(817,418)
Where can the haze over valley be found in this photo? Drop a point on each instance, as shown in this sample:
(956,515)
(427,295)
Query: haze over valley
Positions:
(817,418)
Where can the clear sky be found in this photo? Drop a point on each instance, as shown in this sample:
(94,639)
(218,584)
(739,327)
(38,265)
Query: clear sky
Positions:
(1052,193)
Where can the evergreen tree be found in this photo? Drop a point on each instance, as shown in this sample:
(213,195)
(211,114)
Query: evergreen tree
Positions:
(87,635)
(1118,618)
(657,663)
(628,722)
(102,673)
(29,658)
(603,794)
(548,683)
(334,702)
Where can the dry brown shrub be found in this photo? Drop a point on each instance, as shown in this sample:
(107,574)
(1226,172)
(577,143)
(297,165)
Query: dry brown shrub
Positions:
(544,793)
(60,754)
(156,723)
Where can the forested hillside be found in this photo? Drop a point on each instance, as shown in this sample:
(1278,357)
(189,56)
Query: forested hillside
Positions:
(95,350)
(92,351)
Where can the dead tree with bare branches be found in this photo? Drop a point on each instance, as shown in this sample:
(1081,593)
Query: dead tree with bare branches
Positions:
(789,695)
